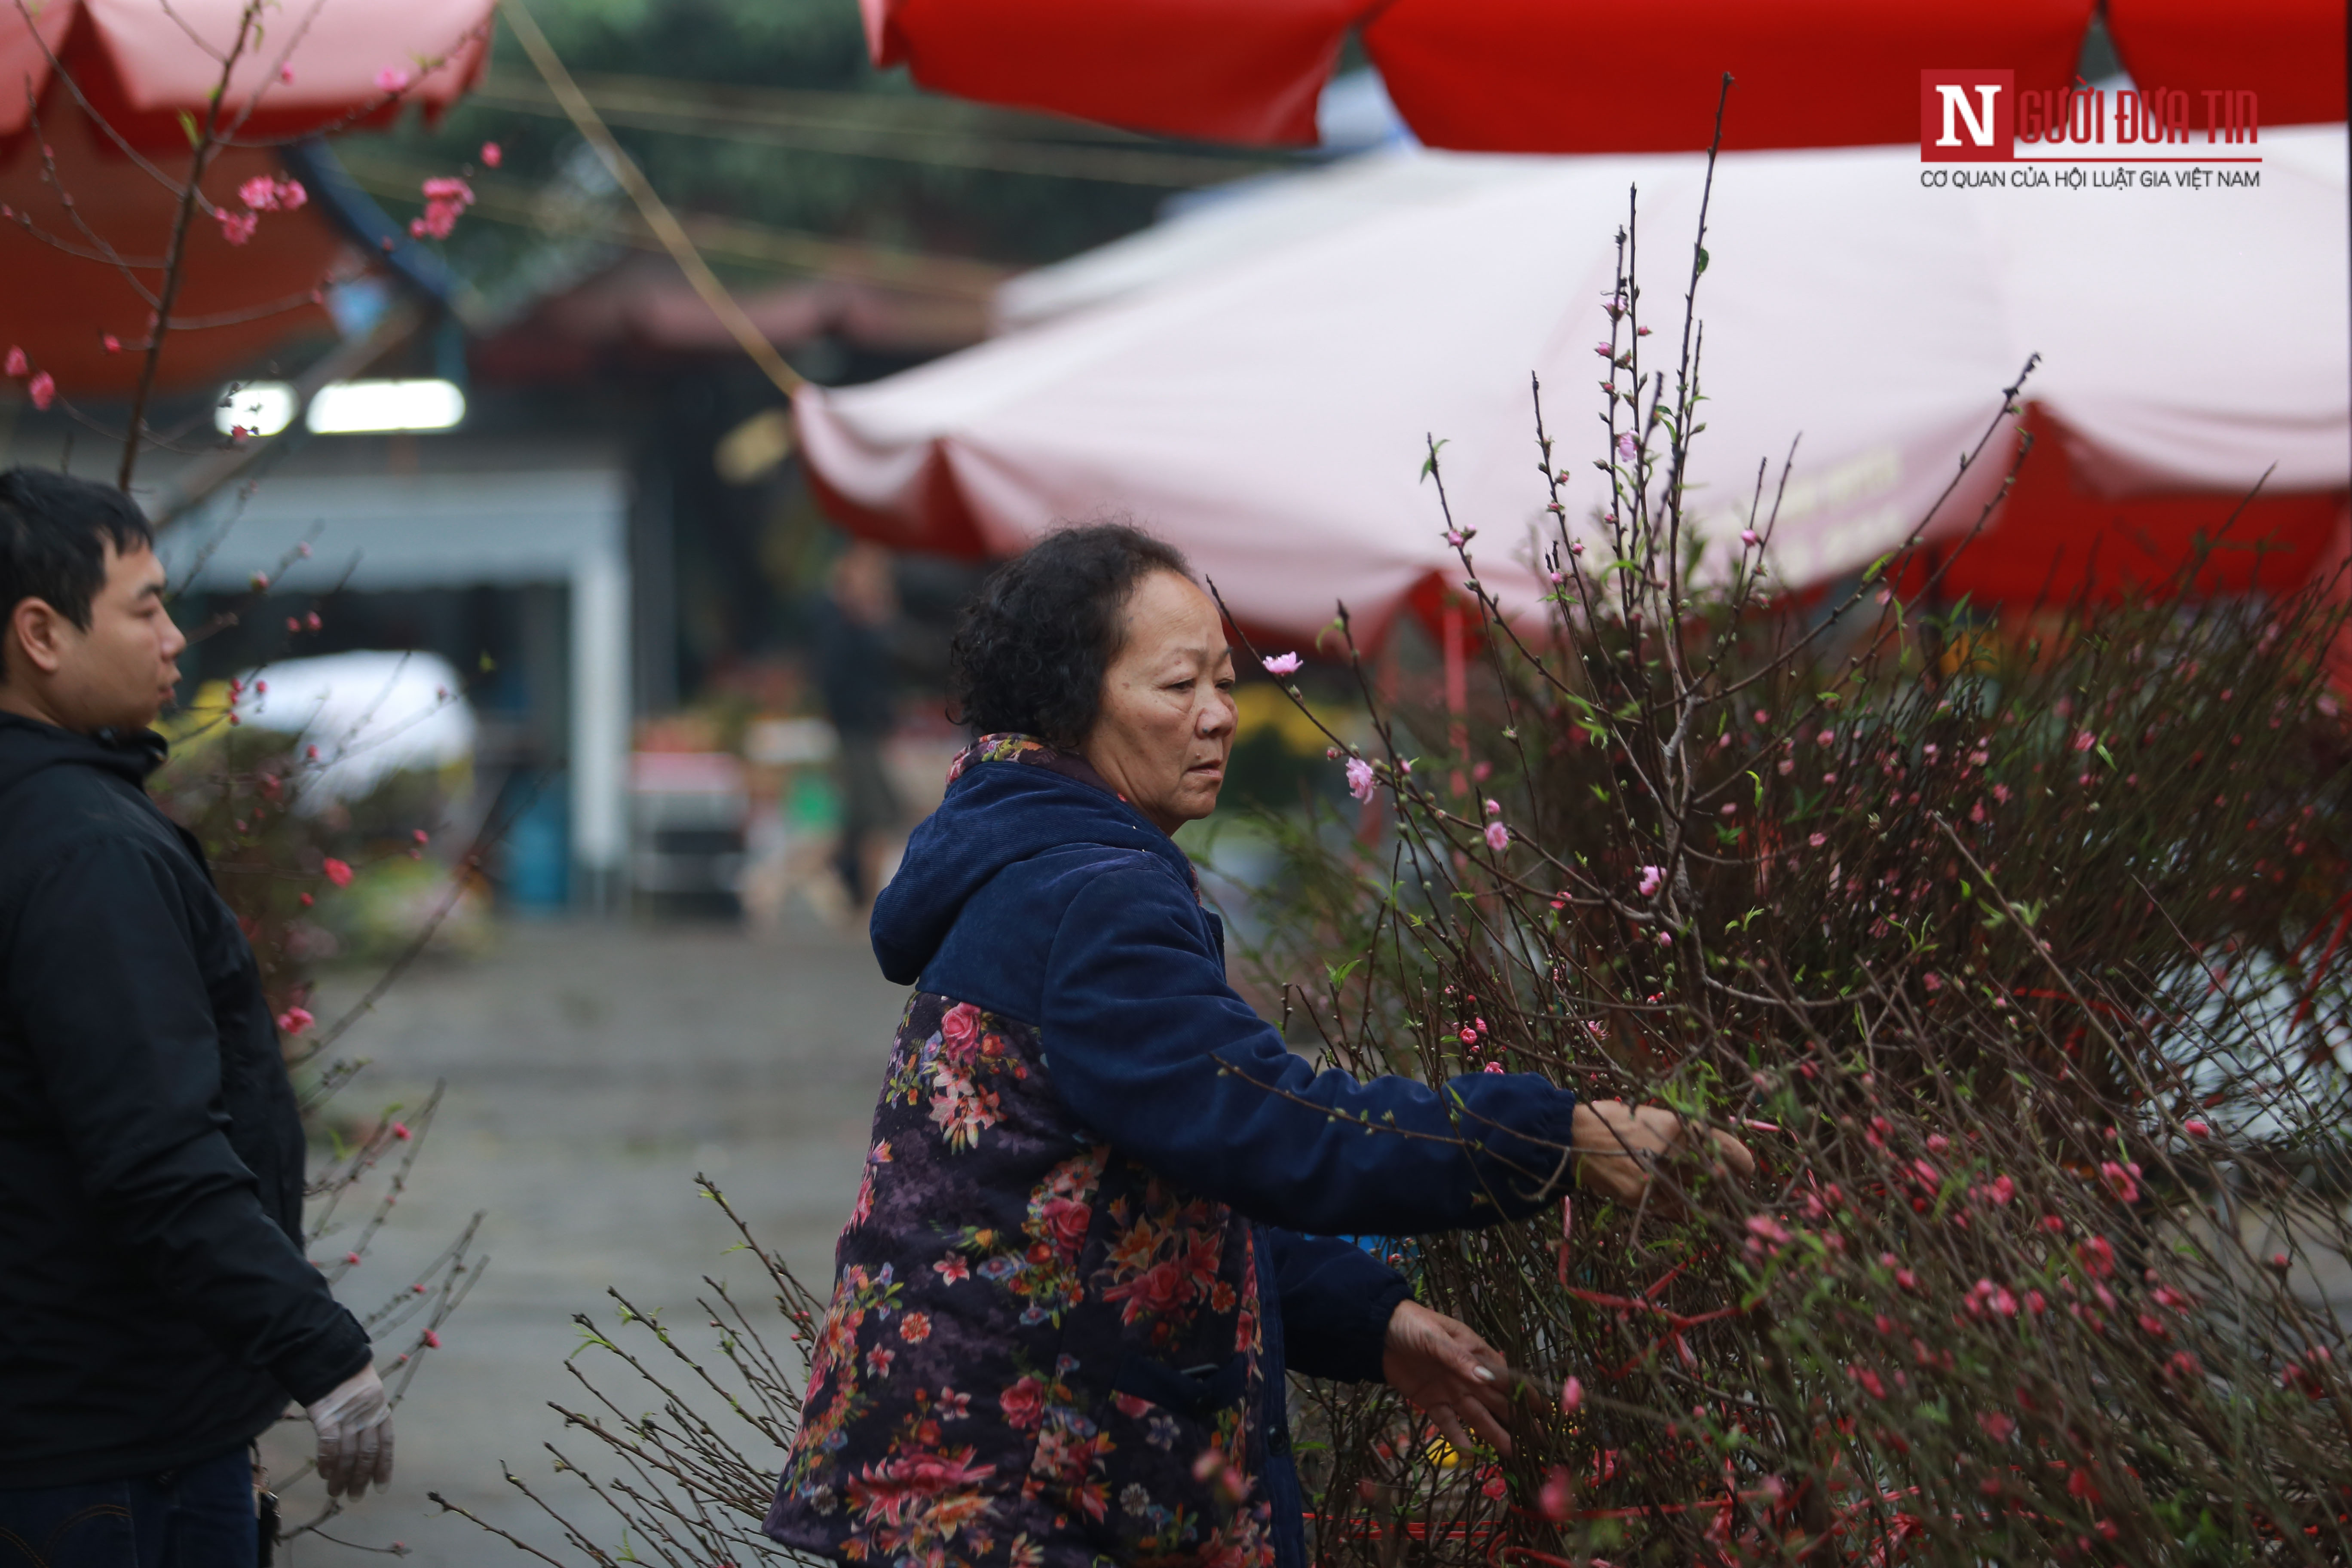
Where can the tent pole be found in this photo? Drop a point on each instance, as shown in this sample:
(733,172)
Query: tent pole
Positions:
(655,212)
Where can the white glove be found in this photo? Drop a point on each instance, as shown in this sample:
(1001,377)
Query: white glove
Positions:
(355,1425)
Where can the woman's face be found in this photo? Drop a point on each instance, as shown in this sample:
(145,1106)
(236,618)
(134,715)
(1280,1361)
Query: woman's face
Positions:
(1167,719)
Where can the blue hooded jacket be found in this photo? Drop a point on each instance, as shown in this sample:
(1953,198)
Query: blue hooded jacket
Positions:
(1033,893)
(1039,897)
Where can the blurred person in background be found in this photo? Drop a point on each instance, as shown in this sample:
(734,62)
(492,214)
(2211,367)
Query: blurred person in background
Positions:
(156,1310)
(854,670)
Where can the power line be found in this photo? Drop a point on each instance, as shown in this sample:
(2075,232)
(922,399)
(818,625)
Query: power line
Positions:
(650,206)
(905,110)
(795,128)
(792,250)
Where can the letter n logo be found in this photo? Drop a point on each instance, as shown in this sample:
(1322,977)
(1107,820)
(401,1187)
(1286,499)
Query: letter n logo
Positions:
(1968,116)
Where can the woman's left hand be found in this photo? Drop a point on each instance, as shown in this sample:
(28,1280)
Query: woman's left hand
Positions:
(1449,1374)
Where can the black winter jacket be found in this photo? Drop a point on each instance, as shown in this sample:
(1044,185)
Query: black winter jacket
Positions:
(155,1307)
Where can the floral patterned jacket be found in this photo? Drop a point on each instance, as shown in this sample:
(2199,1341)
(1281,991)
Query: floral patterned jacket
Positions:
(1057,1332)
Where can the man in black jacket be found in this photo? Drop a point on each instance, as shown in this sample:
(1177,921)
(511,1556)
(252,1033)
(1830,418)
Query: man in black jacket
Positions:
(156,1310)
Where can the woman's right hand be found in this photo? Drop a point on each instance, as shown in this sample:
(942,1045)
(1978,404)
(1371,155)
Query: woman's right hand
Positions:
(1450,1374)
(1619,1147)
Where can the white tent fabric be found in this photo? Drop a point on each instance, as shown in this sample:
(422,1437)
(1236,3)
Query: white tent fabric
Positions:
(370,714)
(1257,383)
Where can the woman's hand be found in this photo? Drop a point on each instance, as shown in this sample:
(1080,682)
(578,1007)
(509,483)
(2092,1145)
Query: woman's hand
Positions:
(1619,1147)
(1448,1373)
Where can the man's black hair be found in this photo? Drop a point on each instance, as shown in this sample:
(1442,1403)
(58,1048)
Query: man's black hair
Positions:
(1034,646)
(54,530)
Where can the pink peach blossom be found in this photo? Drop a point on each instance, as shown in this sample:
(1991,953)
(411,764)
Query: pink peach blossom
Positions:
(2118,1180)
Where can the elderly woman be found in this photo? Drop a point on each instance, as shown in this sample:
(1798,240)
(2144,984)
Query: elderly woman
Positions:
(1086,1244)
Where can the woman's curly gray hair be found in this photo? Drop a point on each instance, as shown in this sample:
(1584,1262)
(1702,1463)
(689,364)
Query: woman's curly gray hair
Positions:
(1032,648)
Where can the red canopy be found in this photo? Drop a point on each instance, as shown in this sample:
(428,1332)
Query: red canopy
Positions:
(320,66)
(1586,75)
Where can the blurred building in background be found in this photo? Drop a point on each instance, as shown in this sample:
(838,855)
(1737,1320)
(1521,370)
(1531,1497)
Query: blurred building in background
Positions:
(610,546)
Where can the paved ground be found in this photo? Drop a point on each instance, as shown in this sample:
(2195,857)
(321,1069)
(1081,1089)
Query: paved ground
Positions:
(592,1071)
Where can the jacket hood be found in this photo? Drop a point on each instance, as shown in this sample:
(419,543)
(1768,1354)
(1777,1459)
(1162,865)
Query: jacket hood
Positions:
(1010,798)
(26,746)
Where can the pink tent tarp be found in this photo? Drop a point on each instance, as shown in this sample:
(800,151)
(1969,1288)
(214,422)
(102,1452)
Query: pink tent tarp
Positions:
(113,113)
(1264,404)
(316,68)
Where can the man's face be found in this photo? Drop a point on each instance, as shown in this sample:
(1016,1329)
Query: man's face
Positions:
(119,673)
